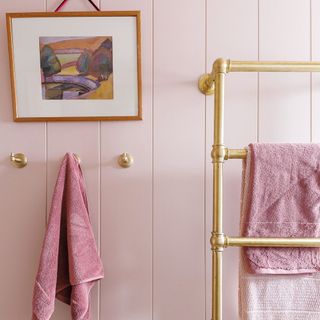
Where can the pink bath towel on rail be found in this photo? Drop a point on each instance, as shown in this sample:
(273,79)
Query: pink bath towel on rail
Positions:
(281,198)
(284,183)
(69,264)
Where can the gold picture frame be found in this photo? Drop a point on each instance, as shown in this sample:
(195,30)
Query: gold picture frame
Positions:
(75,66)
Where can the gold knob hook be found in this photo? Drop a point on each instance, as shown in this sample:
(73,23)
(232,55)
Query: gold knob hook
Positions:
(125,160)
(77,158)
(19,160)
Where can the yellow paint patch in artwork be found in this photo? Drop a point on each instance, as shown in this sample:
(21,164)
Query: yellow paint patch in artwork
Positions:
(66,58)
(71,71)
(89,76)
(105,91)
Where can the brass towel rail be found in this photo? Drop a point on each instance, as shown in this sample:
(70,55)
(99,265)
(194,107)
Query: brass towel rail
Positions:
(215,82)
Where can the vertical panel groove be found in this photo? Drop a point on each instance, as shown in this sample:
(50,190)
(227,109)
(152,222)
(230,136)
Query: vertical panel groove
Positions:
(99,207)
(311,58)
(258,76)
(99,210)
(46,152)
(258,26)
(46,168)
(152,161)
(205,163)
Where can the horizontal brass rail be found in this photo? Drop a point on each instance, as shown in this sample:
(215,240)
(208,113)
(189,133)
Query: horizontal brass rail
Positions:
(206,82)
(271,242)
(272,66)
(235,154)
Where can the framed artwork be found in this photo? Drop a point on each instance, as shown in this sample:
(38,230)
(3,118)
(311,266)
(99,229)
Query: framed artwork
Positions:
(75,66)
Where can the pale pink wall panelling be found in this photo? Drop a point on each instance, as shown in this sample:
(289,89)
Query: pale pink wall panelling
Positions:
(22,192)
(284,99)
(315,54)
(153,221)
(126,197)
(179,136)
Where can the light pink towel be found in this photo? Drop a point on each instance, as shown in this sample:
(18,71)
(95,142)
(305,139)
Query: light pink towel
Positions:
(281,198)
(278,296)
(69,263)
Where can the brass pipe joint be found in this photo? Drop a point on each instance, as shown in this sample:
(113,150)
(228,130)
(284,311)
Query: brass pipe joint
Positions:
(206,82)
(218,153)
(217,241)
(221,66)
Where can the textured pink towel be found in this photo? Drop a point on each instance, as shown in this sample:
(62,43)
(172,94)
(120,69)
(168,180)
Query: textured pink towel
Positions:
(69,263)
(281,198)
(278,296)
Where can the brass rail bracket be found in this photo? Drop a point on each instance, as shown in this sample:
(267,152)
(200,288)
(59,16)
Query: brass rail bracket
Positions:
(206,84)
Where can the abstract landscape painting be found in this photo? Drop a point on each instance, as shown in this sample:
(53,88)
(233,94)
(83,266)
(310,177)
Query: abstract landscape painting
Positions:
(76,67)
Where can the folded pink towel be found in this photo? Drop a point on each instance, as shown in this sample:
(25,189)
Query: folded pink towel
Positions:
(281,198)
(69,263)
(277,177)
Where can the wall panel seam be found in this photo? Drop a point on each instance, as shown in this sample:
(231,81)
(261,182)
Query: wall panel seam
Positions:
(99,208)
(311,82)
(152,159)
(258,76)
(46,150)
(46,168)
(100,215)
(205,162)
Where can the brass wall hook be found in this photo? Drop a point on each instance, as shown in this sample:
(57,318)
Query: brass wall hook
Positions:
(125,160)
(19,160)
(77,158)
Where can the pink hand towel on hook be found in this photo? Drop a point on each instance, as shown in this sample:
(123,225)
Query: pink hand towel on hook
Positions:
(281,198)
(69,263)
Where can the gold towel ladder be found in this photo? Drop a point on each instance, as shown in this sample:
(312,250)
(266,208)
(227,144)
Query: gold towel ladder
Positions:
(214,82)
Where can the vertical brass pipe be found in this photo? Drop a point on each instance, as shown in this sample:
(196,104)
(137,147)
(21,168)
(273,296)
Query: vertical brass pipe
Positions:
(219,109)
(217,286)
(218,155)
